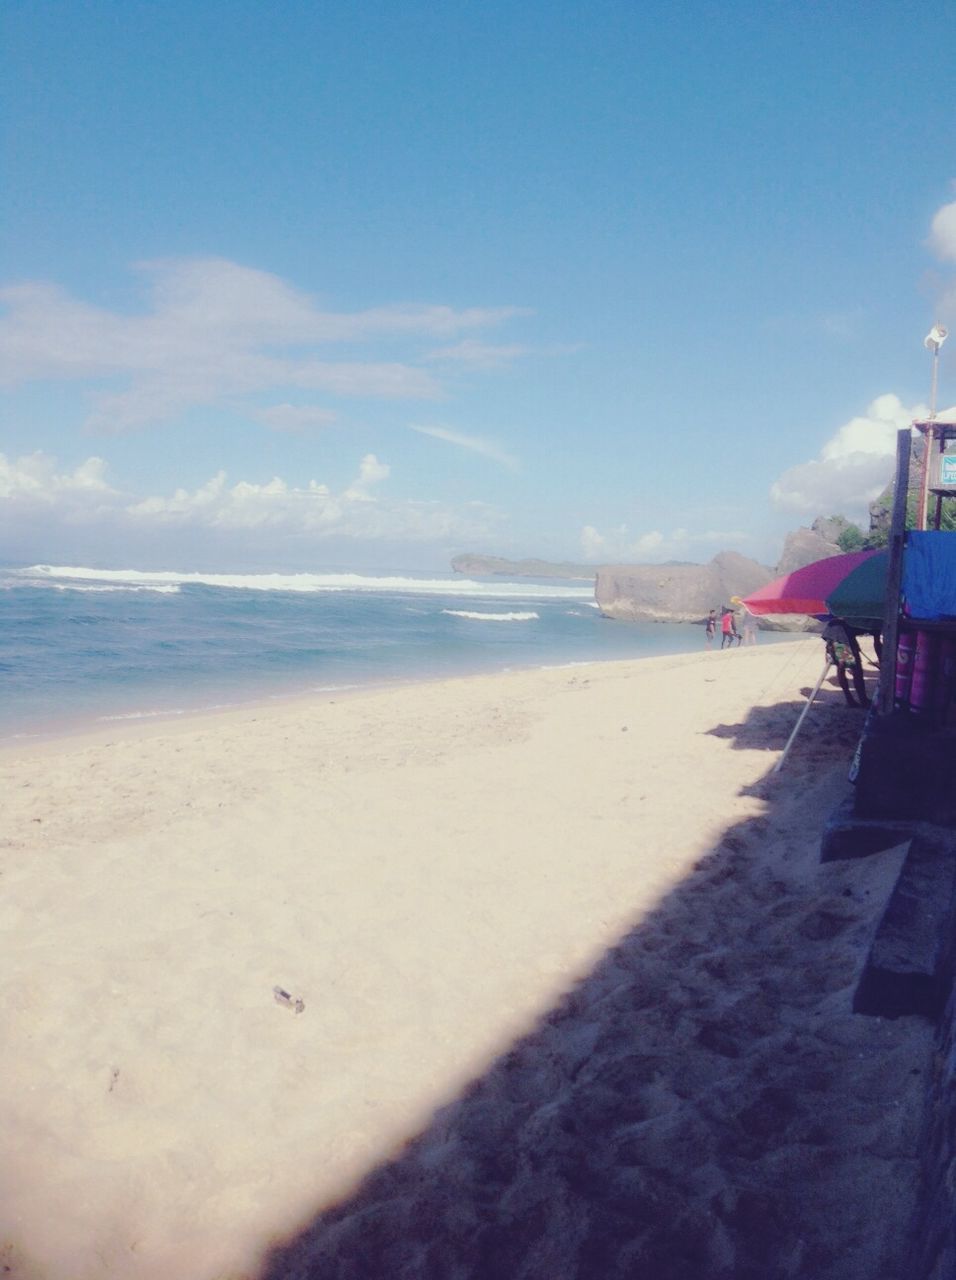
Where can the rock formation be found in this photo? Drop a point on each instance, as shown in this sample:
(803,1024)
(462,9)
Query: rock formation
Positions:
(676,592)
(803,546)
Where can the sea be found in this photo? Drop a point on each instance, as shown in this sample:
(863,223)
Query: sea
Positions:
(84,647)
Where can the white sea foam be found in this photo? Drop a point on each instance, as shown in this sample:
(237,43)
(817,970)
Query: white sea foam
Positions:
(162,712)
(145,715)
(308,582)
(167,590)
(490,617)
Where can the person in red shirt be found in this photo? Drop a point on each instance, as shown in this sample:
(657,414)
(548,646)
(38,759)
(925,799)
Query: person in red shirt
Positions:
(728,628)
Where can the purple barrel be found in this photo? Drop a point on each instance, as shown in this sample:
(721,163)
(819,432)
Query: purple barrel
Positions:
(904,670)
(924,672)
(945,675)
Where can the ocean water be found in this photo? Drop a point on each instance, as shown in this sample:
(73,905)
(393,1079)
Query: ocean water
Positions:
(83,647)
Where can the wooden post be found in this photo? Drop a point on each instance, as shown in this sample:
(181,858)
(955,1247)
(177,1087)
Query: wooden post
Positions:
(929,436)
(894,573)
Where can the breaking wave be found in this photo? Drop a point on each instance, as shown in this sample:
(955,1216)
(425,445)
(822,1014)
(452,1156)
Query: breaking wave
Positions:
(126,579)
(491,617)
(158,590)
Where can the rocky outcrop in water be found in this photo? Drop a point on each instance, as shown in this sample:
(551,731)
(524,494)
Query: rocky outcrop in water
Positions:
(676,592)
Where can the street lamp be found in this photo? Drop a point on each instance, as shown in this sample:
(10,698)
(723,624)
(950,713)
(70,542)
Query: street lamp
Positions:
(932,342)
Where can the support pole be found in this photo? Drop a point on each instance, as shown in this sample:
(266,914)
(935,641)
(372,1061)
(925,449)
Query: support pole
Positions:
(803,714)
(929,446)
(929,439)
(894,572)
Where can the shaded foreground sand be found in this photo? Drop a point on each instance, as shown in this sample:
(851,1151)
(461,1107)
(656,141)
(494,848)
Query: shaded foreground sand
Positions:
(559,925)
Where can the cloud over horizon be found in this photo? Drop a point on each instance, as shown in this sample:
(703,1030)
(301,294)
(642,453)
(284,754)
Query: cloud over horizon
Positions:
(35,489)
(215,331)
(620,546)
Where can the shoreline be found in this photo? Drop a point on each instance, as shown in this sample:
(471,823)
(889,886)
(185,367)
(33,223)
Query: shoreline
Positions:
(505,901)
(87,724)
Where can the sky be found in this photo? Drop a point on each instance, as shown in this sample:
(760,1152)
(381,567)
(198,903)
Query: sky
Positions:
(326,285)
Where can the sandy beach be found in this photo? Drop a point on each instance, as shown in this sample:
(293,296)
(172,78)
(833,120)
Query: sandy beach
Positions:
(567,990)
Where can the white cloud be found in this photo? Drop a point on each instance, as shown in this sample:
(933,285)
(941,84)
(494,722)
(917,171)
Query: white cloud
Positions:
(942,242)
(623,547)
(873,432)
(478,355)
(315,510)
(592,543)
(371,472)
(294,417)
(244,505)
(35,478)
(475,444)
(942,236)
(618,544)
(37,494)
(854,466)
(214,330)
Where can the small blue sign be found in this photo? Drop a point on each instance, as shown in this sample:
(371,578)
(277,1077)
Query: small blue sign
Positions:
(947,469)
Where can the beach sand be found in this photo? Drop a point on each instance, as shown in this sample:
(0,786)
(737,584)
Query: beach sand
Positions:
(576,988)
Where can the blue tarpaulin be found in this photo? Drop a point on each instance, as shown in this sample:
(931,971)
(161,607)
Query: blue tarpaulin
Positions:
(929,576)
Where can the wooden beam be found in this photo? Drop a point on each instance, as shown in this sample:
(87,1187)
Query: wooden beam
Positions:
(923,482)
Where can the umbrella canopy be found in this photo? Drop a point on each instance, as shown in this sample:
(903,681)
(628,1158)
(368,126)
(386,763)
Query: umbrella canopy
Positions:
(859,598)
(808,590)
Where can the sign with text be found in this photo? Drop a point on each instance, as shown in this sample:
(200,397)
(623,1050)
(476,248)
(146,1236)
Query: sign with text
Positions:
(947,471)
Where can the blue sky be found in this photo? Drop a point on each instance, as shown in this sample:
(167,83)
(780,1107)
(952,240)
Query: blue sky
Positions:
(325,285)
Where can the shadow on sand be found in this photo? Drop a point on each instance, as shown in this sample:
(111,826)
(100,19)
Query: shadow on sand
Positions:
(703,1106)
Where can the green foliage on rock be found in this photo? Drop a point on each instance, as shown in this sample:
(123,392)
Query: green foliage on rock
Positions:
(851,538)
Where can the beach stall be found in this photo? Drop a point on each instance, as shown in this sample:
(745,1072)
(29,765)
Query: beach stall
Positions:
(849,588)
(920,596)
(909,742)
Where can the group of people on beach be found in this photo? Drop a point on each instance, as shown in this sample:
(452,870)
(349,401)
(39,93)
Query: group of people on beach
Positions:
(840,638)
(729,635)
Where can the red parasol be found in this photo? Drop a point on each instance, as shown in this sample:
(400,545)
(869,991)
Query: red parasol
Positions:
(806,590)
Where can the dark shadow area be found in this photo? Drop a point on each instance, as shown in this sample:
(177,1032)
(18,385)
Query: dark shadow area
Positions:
(768,728)
(703,1106)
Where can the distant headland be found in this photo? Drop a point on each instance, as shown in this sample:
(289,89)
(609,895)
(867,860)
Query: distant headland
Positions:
(498,566)
(680,591)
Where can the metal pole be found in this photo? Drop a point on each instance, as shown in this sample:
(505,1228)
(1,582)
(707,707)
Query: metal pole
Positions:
(796,728)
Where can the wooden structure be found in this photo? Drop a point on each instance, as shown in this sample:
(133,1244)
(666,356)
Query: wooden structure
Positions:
(894,575)
(936,437)
(938,466)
